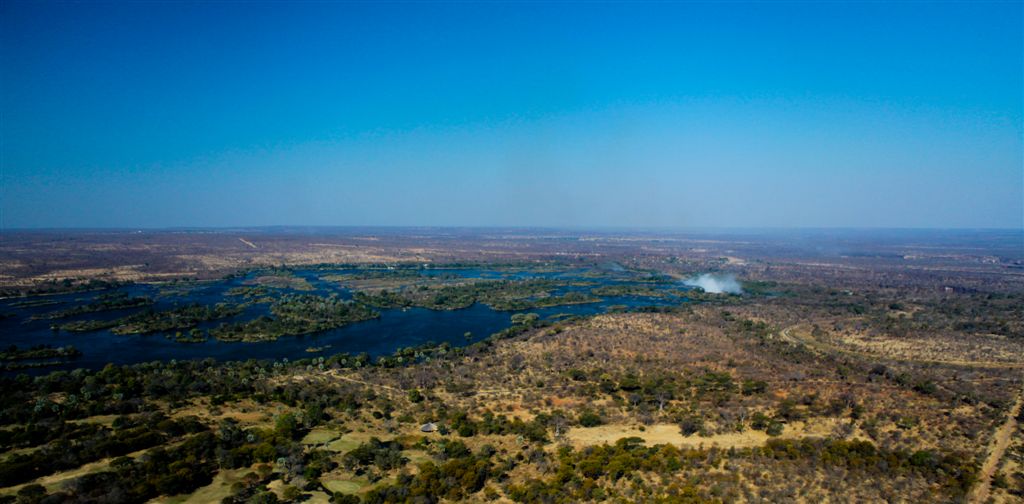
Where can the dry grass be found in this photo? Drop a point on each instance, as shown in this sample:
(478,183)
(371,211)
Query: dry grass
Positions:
(106,420)
(247,412)
(987,350)
(670,434)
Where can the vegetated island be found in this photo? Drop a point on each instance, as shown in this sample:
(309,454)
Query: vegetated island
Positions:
(14,358)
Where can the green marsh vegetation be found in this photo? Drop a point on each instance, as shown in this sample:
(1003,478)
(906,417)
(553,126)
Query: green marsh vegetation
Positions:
(501,295)
(152,321)
(294,315)
(104,302)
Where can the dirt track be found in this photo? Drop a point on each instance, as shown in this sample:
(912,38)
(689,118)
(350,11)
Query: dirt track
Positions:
(996,449)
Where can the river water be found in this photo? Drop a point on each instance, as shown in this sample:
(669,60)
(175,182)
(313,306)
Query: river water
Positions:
(395,329)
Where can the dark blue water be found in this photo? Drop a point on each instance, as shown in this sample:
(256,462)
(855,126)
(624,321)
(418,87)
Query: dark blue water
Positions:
(395,329)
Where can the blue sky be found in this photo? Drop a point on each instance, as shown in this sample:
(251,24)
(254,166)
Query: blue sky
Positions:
(156,114)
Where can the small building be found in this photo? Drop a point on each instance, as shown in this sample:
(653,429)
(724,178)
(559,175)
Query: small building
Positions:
(428,427)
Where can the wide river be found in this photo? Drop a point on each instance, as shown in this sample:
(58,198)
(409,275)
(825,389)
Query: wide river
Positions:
(395,329)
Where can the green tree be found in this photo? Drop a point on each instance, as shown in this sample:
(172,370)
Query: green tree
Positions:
(286,426)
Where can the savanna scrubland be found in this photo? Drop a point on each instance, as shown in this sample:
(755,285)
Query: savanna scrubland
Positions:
(894,375)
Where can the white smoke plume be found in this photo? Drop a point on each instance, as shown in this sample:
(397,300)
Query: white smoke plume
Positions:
(716,283)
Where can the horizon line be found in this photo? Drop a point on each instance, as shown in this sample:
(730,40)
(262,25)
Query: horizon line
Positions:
(590,228)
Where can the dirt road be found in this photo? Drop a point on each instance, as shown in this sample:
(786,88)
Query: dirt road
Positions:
(996,449)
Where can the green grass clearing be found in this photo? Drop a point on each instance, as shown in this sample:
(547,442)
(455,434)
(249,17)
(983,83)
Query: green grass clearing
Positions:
(417,457)
(320,436)
(347,486)
(350,441)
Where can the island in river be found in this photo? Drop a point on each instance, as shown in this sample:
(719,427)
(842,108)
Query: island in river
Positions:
(280,313)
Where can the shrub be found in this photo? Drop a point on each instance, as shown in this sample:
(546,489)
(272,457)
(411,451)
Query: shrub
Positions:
(691,425)
(590,419)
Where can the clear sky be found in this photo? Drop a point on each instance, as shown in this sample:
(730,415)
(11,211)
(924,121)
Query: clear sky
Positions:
(810,114)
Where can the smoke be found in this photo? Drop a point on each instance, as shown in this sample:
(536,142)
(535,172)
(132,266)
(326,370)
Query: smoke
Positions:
(716,283)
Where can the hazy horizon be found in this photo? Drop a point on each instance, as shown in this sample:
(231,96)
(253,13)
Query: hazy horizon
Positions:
(286,228)
(568,115)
